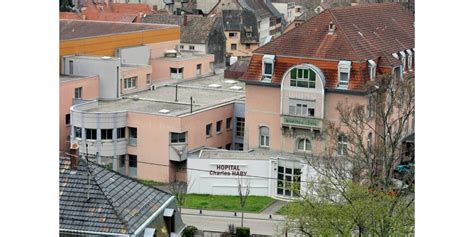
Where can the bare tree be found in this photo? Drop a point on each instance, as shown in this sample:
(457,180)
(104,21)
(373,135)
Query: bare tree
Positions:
(244,190)
(180,190)
(354,187)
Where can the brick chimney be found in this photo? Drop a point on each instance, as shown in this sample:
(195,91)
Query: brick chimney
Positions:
(185,19)
(74,154)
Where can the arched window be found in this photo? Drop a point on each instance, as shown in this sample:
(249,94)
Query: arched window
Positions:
(304,144)
(264,136)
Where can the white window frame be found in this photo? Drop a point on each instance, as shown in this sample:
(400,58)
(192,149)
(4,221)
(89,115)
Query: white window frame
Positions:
(130,83)
(78,93)
(305,141)
(177,75)
(344,67)
(343,144)
(178,137)
(372,69)
(403,60)
(264,137)
(410,60)
(268,59)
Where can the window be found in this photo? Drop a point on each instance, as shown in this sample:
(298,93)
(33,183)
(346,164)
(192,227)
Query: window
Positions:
(298,9)
(369,141)
(77,132)
(148,79)
(289,181)
(240,128)
(91,134)
(208,130)
(228,146)
(68,119)
(71,67)
(178,137)
(122,161)
(132,165)
(304,78)
(247,46)
(120,133)
(191,47)
(344,68)
(397,73)
(264,136)
(304,144)
(240,146)
(130,82)
(228,123)
(176,73)
(248,34)
(410,60)
(78,93)
(219,126)
(342,145)
(132,136)
(233,46)
(106,134)
(302,108)
(403,60)
(371,106)
(372,69)
(267,69)
(232,35)
(198,69)
(181,47)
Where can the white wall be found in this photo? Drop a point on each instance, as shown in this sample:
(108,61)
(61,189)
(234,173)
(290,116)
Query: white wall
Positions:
(198,48)
(264,29)
(205,183)
(138,55)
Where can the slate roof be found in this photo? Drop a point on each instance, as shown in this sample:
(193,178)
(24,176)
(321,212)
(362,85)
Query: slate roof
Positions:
(76,29)
(231,20)
(362,33)
(196,31)
(259,7)
(117,204)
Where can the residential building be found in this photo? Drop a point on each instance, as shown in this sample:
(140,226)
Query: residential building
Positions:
(241,30)
(95,201)
(292,88)
(199,35)
(268,18)
(73,90)
(300,20)
(103,38)
(161,126)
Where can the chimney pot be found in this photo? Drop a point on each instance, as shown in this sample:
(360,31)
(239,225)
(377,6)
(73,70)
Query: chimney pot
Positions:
(74,154)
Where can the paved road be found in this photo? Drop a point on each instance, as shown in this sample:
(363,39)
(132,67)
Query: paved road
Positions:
(220,220)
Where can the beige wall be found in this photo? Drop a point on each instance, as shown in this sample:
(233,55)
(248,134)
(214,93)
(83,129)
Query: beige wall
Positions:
(161,66)
(241,50)
(90,91)
(140,73)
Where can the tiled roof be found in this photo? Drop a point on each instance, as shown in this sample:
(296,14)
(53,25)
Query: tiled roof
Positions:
(70,15)
(196,31)
(258,6)
(76,29)
(117,204)
(237,69)
(231,20)
(306,15)
(362,32)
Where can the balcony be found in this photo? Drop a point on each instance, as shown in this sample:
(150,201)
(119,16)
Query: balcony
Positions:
(290,122)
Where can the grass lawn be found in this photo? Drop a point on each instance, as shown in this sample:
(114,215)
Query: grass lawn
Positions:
(226,202)
(151,183)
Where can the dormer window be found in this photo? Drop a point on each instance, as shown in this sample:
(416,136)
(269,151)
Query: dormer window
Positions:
(372,69)
(410,60)
(267,67)
(344,69)
(403,60)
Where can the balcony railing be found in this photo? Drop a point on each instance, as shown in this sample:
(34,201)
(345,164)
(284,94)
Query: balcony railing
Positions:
(301,122)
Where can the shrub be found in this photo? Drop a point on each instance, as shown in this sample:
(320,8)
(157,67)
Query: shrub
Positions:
(189,231)
(243,231)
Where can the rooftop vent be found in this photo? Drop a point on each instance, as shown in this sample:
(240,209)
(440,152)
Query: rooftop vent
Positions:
(163,111)
(236,87)
(106,57)
(214,85)
(230,81)
(171,53)
(332,28)
(135,97)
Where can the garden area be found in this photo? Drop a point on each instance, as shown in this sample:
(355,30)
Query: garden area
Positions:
(226,202)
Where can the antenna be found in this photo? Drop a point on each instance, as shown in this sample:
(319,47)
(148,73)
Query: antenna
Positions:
(176,94)
(191,104)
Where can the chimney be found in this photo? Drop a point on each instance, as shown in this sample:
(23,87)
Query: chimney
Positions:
(332,28)
(354,2)
(185,19)
(74,154)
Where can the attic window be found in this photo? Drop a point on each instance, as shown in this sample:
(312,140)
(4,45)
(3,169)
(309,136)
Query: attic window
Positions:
(344,73)
(372,69)
(267,67)
(395,55)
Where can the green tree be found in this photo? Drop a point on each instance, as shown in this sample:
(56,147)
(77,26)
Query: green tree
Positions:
(65,5)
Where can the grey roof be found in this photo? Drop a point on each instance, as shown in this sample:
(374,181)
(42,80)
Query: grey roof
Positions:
(117,204)
(306,15)
(196,31)
(232,18)
(213,153)
(259,7)
(77,29)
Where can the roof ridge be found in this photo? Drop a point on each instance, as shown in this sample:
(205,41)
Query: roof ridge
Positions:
(107,197)
(330,10)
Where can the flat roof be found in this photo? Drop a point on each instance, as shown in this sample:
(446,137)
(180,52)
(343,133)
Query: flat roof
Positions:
(183,57)
(78,29)
(127,67)
(254,154)
(162,98)
(65,78)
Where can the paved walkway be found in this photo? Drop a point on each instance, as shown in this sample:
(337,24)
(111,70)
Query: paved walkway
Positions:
(228,214)
(274,207)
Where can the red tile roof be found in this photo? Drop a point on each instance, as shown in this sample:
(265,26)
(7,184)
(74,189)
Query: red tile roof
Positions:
(70,15)
(362,33)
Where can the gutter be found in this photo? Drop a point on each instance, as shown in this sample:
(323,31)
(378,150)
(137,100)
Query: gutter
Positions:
(152,217)
(92,232)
